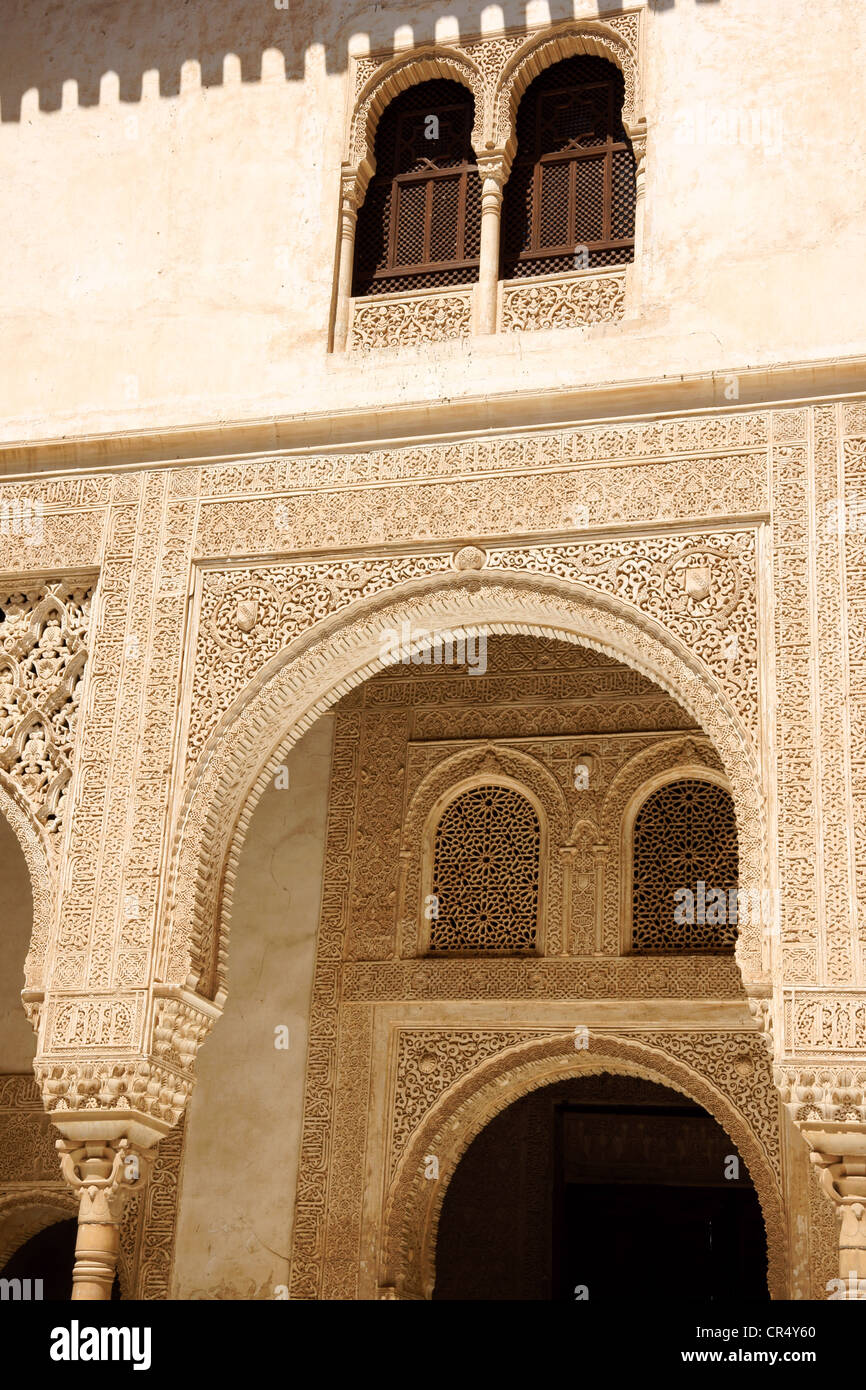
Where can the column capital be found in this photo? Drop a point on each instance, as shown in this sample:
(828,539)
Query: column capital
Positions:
(843,1179)
(102,1173)
(494,166)
(637,132)
(352,190)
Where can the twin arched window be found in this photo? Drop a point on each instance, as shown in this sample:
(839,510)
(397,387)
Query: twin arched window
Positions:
(571,192)
(487,870)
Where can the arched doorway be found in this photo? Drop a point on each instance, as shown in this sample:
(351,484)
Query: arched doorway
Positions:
(42,1266)
(595,1185)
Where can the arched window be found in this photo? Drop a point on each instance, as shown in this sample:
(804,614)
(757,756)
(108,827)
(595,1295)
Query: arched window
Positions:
(486,873)
(572,183)
(420,223)
(685,870)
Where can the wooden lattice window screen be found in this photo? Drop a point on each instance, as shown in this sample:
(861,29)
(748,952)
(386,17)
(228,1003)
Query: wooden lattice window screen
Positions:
(486,873)
(420,223)
(685,865)
(572,183)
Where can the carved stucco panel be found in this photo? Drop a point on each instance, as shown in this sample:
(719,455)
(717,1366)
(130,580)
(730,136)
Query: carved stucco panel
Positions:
(852,518)
(702,587)
(726,1072)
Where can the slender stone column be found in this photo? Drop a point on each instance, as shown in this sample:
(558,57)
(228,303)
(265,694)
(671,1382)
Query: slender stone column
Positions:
(349,203)
(493,169)
(101,1174)
(844,1181)
(637,135)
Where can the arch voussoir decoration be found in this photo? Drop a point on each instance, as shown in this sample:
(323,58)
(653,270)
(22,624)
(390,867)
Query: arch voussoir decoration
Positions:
(414,1203)
(424,65)
(595,39)
(37,854)
(315,670)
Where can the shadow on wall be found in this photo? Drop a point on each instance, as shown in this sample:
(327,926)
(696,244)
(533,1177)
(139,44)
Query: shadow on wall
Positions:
(97,52)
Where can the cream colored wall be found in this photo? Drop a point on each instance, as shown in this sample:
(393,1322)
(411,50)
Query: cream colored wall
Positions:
(169,258)
(17,1039)
(243,1130)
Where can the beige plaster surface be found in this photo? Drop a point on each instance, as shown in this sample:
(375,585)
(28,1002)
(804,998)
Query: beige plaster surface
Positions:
(241,1152)
(17,1040)
(170,250)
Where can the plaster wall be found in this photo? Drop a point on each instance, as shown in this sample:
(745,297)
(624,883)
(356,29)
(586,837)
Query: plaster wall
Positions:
(241,1151)
(170,248)
(17,1040)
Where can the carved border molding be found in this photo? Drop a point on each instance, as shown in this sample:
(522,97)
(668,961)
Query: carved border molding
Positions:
(705,977)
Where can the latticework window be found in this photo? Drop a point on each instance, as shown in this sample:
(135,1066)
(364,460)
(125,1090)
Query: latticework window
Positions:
(420,223)
(572,184)
(685,871)
(486,870)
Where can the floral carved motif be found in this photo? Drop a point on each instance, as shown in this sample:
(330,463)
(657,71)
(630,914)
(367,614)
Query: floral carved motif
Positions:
(43,652)
(402,320)
(715,616)
(569,301)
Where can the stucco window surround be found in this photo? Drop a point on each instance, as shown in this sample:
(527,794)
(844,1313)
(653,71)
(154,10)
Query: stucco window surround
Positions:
(451,781)
(530,860)
(681,772)
(497,71)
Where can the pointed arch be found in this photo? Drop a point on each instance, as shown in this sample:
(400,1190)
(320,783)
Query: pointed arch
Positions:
(310,675)
(395,77)
(414,1204)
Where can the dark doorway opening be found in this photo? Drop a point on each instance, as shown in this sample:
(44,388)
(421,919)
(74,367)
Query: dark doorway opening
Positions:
(602,1188)
(48,1256)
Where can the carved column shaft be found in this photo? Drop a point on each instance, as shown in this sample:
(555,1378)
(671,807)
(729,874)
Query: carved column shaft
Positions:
(348,223)
(494,172)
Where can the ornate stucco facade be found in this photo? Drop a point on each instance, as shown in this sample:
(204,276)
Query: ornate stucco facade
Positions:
(224,477)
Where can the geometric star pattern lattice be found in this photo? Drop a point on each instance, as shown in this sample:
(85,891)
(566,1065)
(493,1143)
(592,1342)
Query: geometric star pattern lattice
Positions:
(685,865)
(486,873)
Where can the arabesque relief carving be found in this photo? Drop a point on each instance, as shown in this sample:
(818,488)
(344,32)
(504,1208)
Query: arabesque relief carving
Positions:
(715,608)
(43,652)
